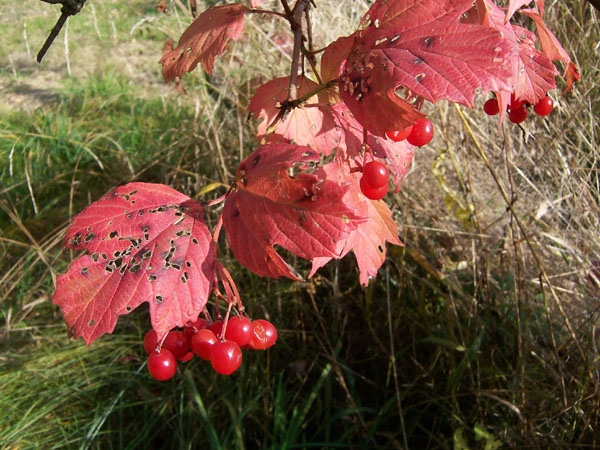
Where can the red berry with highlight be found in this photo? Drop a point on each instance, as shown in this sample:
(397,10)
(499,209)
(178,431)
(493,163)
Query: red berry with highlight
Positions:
(518,115)
(203,342)
(399,135)
(163,365)
(264,335)
(375,174)
(193,327)
(239,330)
(422,133)
(544,106)
(150,341)
(373,193)
(491,107)
(226,357)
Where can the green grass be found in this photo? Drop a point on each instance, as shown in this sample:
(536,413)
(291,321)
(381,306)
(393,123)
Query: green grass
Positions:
(455,344)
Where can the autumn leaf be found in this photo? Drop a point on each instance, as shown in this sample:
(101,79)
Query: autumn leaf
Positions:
(309,124)
(368,241)
(145,243)
(396,155)
(204,39)
(334,55)
(276,201)
(423,46)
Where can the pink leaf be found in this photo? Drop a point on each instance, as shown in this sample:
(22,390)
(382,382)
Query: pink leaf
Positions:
(513,5)
(146,243)
(274,205)
(424,47)
(204,39)
(310,124)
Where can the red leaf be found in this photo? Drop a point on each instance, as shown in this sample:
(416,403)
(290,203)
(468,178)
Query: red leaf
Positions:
(368,241)
(299,212)
(334,55)
(397,155)
(204,39)
(423,46)
(310,124)
(553,48)
(146,243)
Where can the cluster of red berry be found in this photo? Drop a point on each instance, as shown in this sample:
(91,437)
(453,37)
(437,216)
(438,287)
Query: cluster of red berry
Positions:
(517,109)
(374,182)
(208,341)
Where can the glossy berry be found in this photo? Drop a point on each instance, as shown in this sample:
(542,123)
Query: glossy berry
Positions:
(226,357)
(177,343)
(399,135)
(150,341)
(518,115)
(216,327)
(373,193)
(239,330)
(491,107)
(422,133)
(163,365)
(375,174)
(202,343)
(544,106)
(264,335)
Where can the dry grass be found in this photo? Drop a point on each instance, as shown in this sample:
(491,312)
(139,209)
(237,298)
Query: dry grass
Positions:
(481,330)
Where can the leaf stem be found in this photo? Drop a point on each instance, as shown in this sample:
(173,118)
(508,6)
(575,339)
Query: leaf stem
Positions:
(267,11)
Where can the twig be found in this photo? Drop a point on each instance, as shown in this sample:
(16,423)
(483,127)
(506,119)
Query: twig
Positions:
(70,8)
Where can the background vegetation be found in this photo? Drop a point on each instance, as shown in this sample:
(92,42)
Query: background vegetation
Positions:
(480,333)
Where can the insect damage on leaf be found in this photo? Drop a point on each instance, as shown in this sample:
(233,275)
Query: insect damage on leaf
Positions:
(146,243)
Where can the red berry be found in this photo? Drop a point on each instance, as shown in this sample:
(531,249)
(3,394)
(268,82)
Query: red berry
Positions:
(264,335)
(239,330)
(399,135)
(177,343)
(422,133)
(518,115)
(373,193)
(514,103)
(491,107)
(163,365)
(216,327)
(544,106)
(226,357)
(202,343)
(150,341)
(189,355)
(193,327)
(375,174)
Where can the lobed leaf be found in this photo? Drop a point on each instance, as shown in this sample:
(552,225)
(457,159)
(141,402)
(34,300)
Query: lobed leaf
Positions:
(204,39)
(277,202)
(146,243)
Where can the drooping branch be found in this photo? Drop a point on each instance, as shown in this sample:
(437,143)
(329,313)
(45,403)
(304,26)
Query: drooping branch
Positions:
(69,8)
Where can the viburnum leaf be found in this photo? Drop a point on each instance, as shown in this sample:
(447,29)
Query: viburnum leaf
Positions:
(513,5)
(397,155)
(310,124)
(368,241)
(334,55)
(146,243)
(423,46)
(552,47)
(204,39)
(277,202)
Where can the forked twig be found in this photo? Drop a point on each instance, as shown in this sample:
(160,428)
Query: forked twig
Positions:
(70,8)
